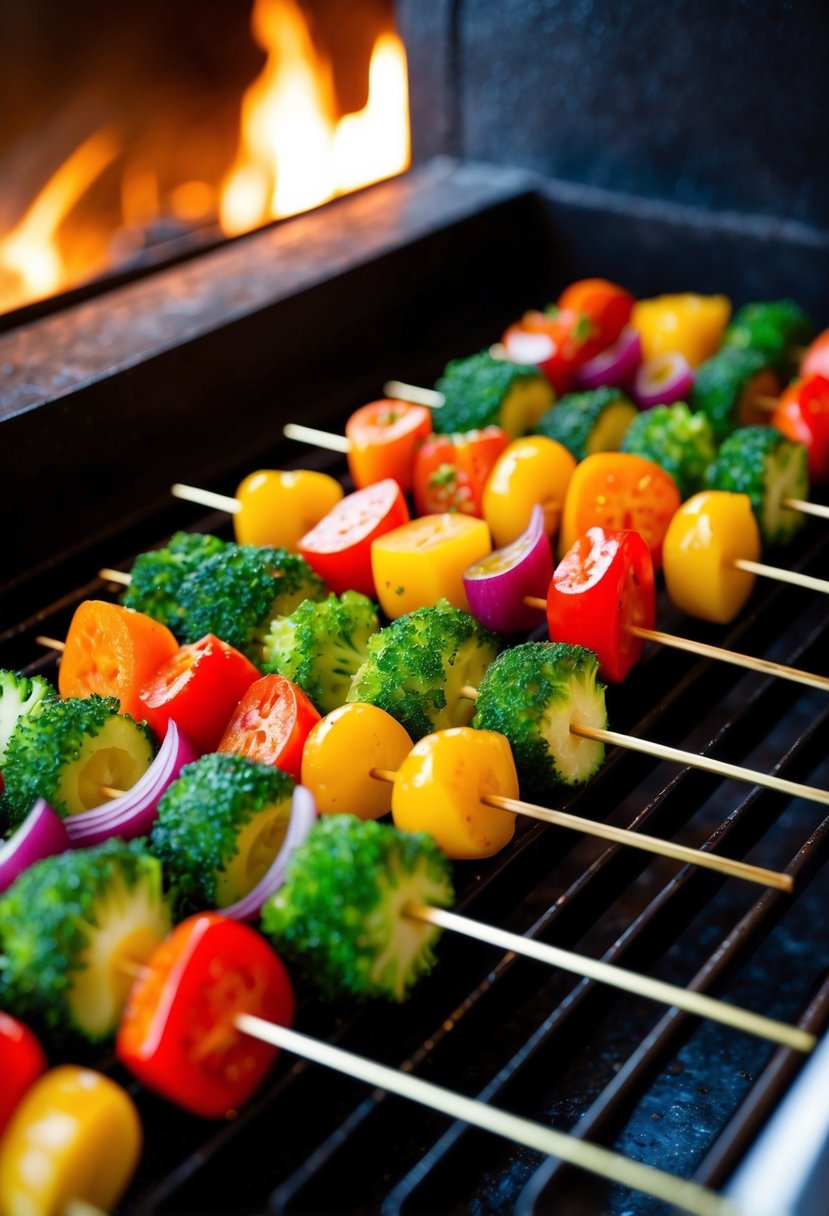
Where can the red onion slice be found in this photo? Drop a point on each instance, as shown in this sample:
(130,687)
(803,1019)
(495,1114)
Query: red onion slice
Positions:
(663,380)
(133,812)
(496,586)
(41,834)
(616,366)
(303,818)
(525,347)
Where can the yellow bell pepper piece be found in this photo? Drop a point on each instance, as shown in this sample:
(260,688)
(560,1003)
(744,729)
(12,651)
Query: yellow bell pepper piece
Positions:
(531,470)
(278,507)
(703,539)
(75,1136)
(690,324)
(340,753)
(423,561)
(439,786)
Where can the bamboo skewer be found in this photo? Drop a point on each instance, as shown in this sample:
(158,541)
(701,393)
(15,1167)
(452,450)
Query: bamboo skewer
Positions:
(637,840)
(707,651)
(680,1193)
(414,394)
(783,576)
(206,498)
(115,576)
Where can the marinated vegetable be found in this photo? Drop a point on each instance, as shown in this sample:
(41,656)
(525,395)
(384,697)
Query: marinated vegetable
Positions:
(726,385)
(705,536)
(769,468)
(482,391)
(589,422)
(678,441)
(423,561)
(157,576)
(773,328)
(19,695)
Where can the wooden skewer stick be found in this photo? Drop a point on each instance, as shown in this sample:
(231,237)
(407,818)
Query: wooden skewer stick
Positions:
(708,764)
(115,576)
(636,840)
(783,576)
(414,393)
(705,650)
(808,508)
(50,643)
(319,439)
(206,498)
(679,1193)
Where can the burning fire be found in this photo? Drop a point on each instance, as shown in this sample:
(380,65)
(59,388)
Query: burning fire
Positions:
(293,153)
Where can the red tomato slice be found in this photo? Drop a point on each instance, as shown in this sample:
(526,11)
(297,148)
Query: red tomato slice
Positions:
(198,689)
(802,414)
(270,724)
(178,1034)
(383,438)
(606,306)
(618,490)
(450,470)
(339,547)
(22,1060)
(602,586)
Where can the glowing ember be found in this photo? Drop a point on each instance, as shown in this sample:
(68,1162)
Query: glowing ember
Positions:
(293,153)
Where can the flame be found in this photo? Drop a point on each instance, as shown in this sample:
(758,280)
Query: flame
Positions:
(293,153)
(31,265)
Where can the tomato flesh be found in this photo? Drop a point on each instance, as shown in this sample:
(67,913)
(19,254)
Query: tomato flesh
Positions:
(270,724)
(450,470)
(602,586)
(339,547)
(22,1061)
(198,688)
(607,307)
(179,1035)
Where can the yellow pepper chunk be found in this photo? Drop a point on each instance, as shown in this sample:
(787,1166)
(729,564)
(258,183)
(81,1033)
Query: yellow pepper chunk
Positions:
(340,753)
(440,784)
(278,507)
(423,561)
(75,1136)
(530,471)
(704,538)
(690,324)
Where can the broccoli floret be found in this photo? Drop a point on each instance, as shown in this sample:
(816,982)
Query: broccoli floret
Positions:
(531,694)
(341,912)
(680,442)
(237,594)
(482,391)
(725,385)
(19,696)
(321,645)
(417,667)
(219,827)
(73,929)
(769,468)
(157,576)
(68,750)
(773,328)
(589,422)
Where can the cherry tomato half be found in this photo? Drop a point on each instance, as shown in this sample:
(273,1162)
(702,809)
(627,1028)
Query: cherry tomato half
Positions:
(339,547)
(198,688)
(450,470)
(384,437)
(270,724)
(179,1035)
(802,414)
(618,490)
(21,1062)
(606,306)
(602,586)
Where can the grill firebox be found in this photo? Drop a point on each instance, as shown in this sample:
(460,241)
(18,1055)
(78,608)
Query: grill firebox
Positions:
(190,375)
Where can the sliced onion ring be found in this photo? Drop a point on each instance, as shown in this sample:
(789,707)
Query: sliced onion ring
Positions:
(303,818)
(496,586)
(133,812)
(616,366)
(41,834)
(663,380)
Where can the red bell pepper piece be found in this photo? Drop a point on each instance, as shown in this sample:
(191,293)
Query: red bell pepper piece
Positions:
(450,470)
(22,1060)
(802,414)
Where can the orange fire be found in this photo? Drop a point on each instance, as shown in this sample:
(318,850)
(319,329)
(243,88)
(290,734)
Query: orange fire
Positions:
(293,153)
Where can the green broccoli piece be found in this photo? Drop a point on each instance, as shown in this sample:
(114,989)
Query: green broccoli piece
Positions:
(482,391)
(769,468)
(341,913)
(157,576)
(418,665)
(219,826)
(589,422)
(68,750)
(73,928)
(19,696)
(321,645)
(726,384)
(773,328)
(237,594)
(680,442)
(531,694)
